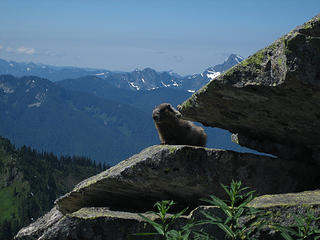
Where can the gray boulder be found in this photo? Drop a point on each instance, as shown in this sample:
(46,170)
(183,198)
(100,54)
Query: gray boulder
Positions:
(283,210)
(273,96)
(102,223)
(184,174)
(86,224)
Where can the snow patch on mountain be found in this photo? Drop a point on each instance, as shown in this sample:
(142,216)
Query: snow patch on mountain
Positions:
(165,85)
(212,75)
(36,104)
(239,58)
(134,86)
(6,89)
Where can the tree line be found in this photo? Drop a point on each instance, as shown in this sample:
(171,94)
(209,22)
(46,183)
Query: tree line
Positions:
(37,180)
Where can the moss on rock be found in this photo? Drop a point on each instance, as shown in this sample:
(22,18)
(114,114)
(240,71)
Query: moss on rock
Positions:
(307,198)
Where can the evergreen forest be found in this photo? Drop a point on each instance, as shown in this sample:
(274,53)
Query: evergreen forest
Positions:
(30,181)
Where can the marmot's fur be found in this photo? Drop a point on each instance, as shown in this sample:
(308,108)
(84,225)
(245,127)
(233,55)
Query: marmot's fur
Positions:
(175,131)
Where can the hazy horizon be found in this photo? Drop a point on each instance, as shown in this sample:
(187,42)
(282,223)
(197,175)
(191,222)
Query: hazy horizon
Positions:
(183,36)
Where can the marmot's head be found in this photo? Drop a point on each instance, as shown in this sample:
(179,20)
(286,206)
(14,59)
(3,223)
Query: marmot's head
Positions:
(165,112)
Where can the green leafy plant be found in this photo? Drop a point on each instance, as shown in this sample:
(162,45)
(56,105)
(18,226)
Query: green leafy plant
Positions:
(237,220)
(182,234)
(304,228)
(235,209)
(199,235)
(164,228)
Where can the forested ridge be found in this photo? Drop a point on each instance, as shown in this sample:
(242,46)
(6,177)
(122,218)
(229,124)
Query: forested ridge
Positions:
(30,182)
(40,114)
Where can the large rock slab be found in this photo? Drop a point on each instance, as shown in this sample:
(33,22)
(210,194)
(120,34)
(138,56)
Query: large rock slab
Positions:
(273,96)
(101,223)
(185,174)
(97,223)
(86,224)
(303,199)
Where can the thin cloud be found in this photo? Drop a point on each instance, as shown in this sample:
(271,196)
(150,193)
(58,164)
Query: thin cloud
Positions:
(161,52)
(9,49)
(1,47)
(178,59)
(25,50)
(52,53)
(21,50)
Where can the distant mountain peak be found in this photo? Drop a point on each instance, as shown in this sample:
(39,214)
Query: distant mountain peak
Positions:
(148,69)
(233,58)
(213,72)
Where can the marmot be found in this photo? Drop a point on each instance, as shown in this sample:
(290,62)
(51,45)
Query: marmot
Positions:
(175,131)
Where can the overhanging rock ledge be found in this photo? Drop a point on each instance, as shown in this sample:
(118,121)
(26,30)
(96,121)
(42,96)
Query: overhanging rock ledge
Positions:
(272,97)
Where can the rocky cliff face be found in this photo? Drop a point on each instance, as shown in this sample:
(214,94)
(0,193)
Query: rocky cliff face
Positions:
(270,102)
(105,206)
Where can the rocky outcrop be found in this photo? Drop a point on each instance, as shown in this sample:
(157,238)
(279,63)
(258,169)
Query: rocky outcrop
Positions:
(105,206)
(102,223)
(98,223)
(184,174)
(285,208)
(273,96)
(87,223)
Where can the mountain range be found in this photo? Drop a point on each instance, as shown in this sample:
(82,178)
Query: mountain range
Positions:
(53,73)
(38,113)
(146,79)
(93,116)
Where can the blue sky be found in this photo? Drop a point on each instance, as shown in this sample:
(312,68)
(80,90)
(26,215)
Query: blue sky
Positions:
(185,36)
